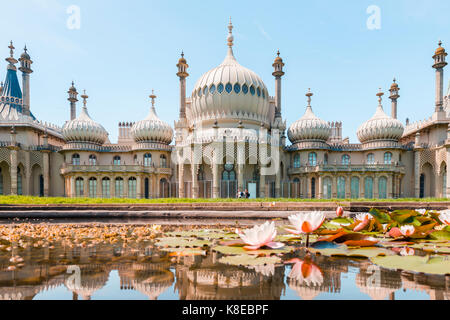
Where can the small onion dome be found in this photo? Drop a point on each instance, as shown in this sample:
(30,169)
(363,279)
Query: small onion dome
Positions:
(278,59)
(380,126)
(182,60)
(72,88)
(394,85)
(309,127)
(152,129)
(440,50)
(84,130)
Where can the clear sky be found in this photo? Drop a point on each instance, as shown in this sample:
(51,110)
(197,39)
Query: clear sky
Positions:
(124,49)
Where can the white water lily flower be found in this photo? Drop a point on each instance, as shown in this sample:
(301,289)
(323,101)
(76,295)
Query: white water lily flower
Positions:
(363,216)
(407,230)
(306,222)
(422,211)
(445,217)
(307,273)
(407,252)
(260,236)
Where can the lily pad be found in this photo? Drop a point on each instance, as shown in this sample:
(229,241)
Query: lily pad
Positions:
(434,265)
(440,235)
(204,234)
(229,250)
(182,242)
(429,247)
(344,251)
(249,260)
(185,251)
(295,238)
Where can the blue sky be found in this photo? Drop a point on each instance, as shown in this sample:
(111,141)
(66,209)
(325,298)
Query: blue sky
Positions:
(124,49)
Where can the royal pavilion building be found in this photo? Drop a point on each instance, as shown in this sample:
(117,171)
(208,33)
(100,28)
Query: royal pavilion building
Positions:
(230,135)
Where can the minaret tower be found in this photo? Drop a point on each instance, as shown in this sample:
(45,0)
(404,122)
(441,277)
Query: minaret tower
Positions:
(278,73)
(439,64)
(25,68)
(182,74)
(394,97)
(73,94)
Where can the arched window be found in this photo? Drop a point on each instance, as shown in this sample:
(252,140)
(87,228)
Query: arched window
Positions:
(327,188)
(228,173)
(346,159)
(119,188)
(199,93)
(312,159)
(387,158)
(355,187)
(205,90)
(76,159)
(228,88)
(201,174)
(259,92)
(220,88)
(297,163)
(148,159)
(341,187)
(19,182)
(92,187)
(237,88)
(163,161)
(212,89)
(106,188)
(382,188)
(92,160)
(370,158)
(245,89)
(444,183)
(79,187)
(116,161)
(132,188)
(325,159)
(368,188)
(252,90)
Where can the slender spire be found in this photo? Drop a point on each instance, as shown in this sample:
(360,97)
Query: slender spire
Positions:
(380,95)
(84,97)
(11,59)
(153,97)
(230,38)
(309,94)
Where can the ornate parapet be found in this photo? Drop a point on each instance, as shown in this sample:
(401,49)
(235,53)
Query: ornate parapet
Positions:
(360,168)
(124,169)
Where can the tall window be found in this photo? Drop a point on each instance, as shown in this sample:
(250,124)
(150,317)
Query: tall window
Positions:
(76,159)
(106,188)
(116,161)
(228,173)
(1,182)
(201,174)
(368,187)
(355,187)
(327,188)
(119,188)
(422,186)
(79,187)
(19,182)
(346,159)
(92,187)
(313,188)
(312,159)
(382,187)
(325,159)
(341,188)
(370,158)
(147,159)
(163,161)
(132,186)
(387,158)
(297,161)
(92,160)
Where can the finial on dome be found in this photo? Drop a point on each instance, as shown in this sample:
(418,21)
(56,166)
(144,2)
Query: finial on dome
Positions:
(11,59)
(153,97)
(309,94)
(84,97)
(380,95)
(230,38)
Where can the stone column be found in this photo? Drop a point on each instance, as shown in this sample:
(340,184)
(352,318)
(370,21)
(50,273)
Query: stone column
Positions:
(417,173)
(320,193)
(216,181)
(113,187)
(85,186)
(126,187)
(181,181)
(73,192)
(390,181)
(334,187)
(375,187)
(361,187)
(195,188)
(138,187)
(46,173)
(240,177)
(99,186)
(348,186)
(13,171)
(262,186)
(278,183)
(157,185)
(28,171)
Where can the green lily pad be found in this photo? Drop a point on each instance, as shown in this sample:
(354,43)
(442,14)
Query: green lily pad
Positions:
(249,260)
(181,242)
(204,234)
(295,238)
(230,250)
(440,235)
(434,265)
(344,251)
(381,216)
(429,247)
(186,251)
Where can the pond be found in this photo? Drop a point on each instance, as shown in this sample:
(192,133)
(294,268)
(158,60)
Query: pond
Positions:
(65,260)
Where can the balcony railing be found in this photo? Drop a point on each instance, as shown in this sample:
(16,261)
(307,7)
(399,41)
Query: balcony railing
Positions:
(136,168)
(349,168)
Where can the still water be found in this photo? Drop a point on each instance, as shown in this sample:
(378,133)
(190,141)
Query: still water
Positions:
(136,269)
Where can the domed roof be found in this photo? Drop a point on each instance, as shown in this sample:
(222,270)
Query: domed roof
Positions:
(440,50)
(84,130)
(230,91)
(152,129)
(380,126)
(309,127)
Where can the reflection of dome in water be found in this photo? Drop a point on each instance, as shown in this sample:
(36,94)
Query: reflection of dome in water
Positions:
(378,283)
(89,282)
(154,285)
(303,291)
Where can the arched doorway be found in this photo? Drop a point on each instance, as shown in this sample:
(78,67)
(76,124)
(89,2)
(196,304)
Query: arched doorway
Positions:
(429,185)
(422,186)
(164,188)
(146,188)
(313,188)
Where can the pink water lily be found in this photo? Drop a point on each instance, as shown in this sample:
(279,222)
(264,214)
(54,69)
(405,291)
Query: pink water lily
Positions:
(445,217)
(306,272)
(407,252)
(305,223)
(407,231)
(340,212)
(363,220)
(260,236)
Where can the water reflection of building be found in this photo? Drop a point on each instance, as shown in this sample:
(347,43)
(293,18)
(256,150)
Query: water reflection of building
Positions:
(90,279)
(203,278)
(377,282)
(436,286)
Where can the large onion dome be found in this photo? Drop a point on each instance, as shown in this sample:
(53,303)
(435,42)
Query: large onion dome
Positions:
(152,129)
(380,126)
(83,129)
(309,127)
(230,92)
